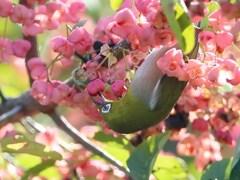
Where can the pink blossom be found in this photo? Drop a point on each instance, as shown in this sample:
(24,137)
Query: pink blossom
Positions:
(21,47)
(125,17)
(92,64)
(113,29)
(81,39)
(137,56)
(219,22)
(5,8)
(145,34)
(75,10)
(187,145)
(21,14)
(164,37)
(142,5)
(68,100)
(49,138)
(4,174)
(224,39)
(41,91)
(59,92)
(7,130)
(236,80)
(146,6)
(32,30)
(207,38)
(93,169)
(196,72)
(156,18)
(5,50)
(99,31)
(124,25)
(61,45)
(95,86)
(45,22)
(172,63)
(225,70)
(122,31)
(37,69)
(52,7)
(208,151)
(229,10)
(83,100)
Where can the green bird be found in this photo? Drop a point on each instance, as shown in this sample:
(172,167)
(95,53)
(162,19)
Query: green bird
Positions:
(149,99)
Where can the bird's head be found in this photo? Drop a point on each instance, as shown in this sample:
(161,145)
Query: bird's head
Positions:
(105,106)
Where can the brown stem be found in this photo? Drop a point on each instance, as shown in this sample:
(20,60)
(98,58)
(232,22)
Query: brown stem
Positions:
(33,51)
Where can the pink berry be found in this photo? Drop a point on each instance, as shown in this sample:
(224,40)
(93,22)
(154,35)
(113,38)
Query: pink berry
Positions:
(199,125)
(118,88)
(95,86)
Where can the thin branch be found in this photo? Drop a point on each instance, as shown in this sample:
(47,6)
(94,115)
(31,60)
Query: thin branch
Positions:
(33,127)
(9,114)
(81,139)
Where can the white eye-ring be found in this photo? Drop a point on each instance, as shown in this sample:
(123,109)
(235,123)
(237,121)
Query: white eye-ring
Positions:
(106,108)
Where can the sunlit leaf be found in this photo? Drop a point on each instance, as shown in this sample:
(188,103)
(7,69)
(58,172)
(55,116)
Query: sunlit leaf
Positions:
(120,154)
(142,159)
(115,4)
(37,169)
(167,167)
(180,24)
(112,141)
(19,144)
(218,170)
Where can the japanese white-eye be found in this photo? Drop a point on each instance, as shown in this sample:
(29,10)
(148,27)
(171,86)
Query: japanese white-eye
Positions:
(149,99)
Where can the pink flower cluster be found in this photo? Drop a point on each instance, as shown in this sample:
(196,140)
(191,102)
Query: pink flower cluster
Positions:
(208,70)
(204,148)
(79,40)
(151,31)
(18,48)
(44,17)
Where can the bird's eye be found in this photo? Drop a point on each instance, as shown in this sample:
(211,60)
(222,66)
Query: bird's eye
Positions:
(106,108)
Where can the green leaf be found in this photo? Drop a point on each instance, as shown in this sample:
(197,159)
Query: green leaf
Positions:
(112,141)
(212,6)
(234,1)
(218,170)
(235,173)
(144,156)
(79,24)
(37,169)
(168,168)
(120,154)
(115,4)
(180,24)
(51,173)
(19,144)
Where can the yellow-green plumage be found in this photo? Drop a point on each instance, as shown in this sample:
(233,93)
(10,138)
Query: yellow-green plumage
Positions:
(149,99)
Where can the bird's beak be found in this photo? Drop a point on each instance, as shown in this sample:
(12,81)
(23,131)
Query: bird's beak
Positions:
(98,103)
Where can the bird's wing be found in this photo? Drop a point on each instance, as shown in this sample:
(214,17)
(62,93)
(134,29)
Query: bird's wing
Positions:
(148,75)
(154,99)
